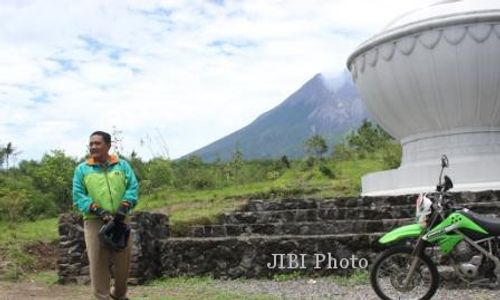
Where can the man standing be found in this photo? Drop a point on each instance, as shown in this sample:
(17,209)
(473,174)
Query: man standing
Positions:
(105,190)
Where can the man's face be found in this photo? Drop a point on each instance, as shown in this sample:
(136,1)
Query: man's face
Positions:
(98,148)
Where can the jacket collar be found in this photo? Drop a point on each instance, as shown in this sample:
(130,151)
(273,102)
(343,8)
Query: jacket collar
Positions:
(112,159)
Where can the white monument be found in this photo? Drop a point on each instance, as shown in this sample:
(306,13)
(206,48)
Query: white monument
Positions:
(431,79)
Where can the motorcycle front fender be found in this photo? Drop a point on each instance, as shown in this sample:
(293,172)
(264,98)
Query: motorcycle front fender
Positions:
(407,231)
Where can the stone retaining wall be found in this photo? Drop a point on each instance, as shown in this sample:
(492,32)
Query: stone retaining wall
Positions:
(246,241)
(298,228)
(301,203)
(249,257)
(147,230)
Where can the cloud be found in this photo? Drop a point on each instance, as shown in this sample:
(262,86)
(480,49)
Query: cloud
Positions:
(185,72)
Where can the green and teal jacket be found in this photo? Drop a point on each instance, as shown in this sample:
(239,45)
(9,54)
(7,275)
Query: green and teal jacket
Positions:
(106,187)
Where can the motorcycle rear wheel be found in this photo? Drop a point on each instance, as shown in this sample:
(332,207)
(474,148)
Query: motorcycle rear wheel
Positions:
(390,269)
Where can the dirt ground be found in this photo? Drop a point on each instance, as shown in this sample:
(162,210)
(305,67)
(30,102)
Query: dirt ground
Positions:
(41,291)
(263,289)
(45,254)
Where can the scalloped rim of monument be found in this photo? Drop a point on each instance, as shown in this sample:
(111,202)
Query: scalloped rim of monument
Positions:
(418,27)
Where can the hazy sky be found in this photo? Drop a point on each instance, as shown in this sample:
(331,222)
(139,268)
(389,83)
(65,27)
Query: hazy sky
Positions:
(175,75)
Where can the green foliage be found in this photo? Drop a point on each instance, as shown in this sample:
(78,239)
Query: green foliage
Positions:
(285,161)
(325,170)
(20,233)
(391,155)
(2,156)
(137,165)
(193,173)
(54,175)
(6,153)
(369,141)
(367,138)
(20,200)
(35,189)
(12,204)
(342,152)
(316,146)
(235,166)
(159,172)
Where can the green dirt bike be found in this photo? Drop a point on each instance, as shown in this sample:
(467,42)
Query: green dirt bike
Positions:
(467,241)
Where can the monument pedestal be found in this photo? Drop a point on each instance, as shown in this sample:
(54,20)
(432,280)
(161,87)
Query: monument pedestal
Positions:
(474,156)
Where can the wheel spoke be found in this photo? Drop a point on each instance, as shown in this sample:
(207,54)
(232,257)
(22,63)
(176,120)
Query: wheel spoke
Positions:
(392,272)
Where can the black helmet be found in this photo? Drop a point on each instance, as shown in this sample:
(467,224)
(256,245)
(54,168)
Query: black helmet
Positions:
(115,235)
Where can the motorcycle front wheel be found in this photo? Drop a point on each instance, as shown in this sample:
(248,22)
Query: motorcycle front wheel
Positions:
(389,273)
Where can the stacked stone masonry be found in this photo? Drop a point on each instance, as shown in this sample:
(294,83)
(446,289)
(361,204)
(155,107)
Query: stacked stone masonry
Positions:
(147,230)
(305,235)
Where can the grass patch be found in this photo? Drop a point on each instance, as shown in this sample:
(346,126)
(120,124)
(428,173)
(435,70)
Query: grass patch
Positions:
(186,208)
(176,288)
(27,232)
(14,237)
(288,276)
(204,206)
(356,278)
(187,281)
(45,277)
(201,288)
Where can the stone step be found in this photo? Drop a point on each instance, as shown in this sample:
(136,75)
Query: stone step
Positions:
(305,203)
(316,215)
(339,213)
(301,228)
(255,256)
(297,203)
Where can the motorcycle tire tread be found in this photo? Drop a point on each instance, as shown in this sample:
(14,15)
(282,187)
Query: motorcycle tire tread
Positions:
(403,249)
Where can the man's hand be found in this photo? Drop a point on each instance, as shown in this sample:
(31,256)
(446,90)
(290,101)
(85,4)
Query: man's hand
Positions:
(122,212)
(101,213)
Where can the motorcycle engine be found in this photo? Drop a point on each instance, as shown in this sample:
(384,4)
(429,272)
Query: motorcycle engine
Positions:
(467,260)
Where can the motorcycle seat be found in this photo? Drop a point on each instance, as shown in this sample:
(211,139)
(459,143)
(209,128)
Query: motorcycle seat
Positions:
(490,224)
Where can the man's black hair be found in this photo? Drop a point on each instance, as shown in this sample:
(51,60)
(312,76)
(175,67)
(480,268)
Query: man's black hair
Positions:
(105,136)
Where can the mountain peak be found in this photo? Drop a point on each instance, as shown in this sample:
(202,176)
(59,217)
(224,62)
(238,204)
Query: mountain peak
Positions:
(318,107)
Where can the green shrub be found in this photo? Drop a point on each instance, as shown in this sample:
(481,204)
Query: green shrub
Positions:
(325,170)
(16,205)
(13,204)
(391,155)
(159,173)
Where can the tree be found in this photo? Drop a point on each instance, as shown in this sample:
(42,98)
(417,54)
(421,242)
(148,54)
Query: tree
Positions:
(342,152)
(54,175)
(193,173)
(8,151)
(316,146)
(160,172)
(12,204)
(137,165)
(20,199)
(285,161)
(236,164)
(368,138)
(2,157)
(117,140)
